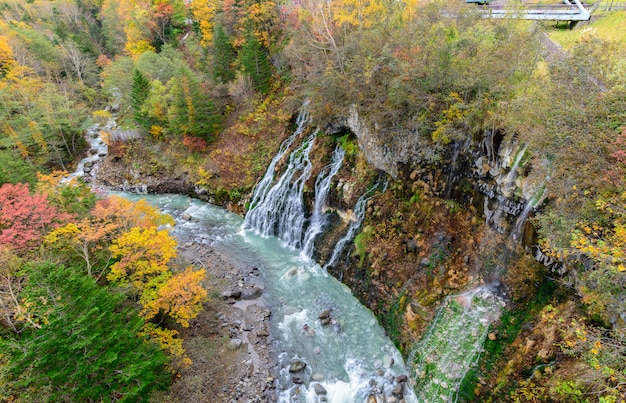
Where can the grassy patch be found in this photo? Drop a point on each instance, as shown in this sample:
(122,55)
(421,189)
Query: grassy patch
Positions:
(610,28)
(361,241)
(349,144)
(452,344)
(391,319)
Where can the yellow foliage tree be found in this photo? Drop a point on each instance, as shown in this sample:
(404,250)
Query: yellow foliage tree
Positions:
(204,14)
(263,19)
(166,338)
(604,243)
(127,214)
(136,48)
(7,60)
(358,13)
(181,297)
(144,255)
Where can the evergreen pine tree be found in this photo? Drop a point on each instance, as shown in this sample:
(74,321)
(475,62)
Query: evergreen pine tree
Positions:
(223,56)
(138,95)
(192,113)
(84,347)
(254,63)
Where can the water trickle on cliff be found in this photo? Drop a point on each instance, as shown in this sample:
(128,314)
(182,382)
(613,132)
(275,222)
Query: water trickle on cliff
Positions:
(453,176)
(358,215)
(531,204)
(318,218)
(508,186)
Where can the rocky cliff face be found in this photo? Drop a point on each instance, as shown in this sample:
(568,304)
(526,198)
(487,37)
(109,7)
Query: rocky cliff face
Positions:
(489,171)
(384,149)
(455,217)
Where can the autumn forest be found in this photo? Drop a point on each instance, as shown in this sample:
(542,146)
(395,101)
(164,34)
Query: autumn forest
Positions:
(93,299)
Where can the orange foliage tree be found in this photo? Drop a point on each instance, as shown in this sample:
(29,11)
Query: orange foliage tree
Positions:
(180,297)
(110,217)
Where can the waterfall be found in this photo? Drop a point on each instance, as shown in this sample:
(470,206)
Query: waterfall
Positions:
(280,210)
(322,187)
(358,214)
(453,177)
(453,343)
(262,187)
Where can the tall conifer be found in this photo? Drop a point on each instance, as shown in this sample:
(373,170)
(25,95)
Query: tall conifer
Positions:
(223,56)
(254,63)
(139,93)
(83,344)
(192,113)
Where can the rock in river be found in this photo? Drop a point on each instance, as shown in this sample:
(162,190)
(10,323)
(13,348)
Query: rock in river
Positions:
(297,366)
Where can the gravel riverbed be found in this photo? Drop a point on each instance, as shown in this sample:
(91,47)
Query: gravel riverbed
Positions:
(229,343)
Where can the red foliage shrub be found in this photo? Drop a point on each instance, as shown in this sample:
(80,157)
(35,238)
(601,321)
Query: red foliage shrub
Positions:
(25,217)
(195,144)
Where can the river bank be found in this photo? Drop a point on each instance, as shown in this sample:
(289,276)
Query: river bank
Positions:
(229,342)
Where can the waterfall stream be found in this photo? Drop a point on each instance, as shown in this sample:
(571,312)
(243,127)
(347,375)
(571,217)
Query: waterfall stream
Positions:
(260,191)
(358,214)
(280,210)
(322,187)
(97,149)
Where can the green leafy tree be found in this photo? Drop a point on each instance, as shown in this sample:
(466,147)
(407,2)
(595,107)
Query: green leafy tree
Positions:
(79,343)
(223,56)
(255,64)
(117,85)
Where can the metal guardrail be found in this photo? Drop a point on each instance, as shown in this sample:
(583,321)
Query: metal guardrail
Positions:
(572,11)
(612,6)
(538,14)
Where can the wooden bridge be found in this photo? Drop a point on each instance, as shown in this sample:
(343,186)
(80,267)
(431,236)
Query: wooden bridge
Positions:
(573,11)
